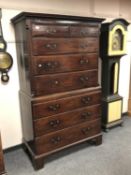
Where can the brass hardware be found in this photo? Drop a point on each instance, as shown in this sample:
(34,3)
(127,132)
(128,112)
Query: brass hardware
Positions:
(84,61)
(54,123)
(86,130)
(84,79)
(83,46)
(56,82)
(51,31)
(86,100)
(47,66)
(6,62)
(86,115)
(39,65)
(51,46)
(37,27)
(54,107)
(56,140)
(84,33)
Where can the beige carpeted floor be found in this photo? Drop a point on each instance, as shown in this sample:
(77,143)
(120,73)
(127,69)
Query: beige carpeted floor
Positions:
(113,157)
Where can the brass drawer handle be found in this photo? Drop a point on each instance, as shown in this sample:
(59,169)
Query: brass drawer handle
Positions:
(56,82)
(48,65)
(54,107)
(54,123)
(51,46)
(84,61)
(86,115)
(86,130)
(51,31)
(83,46)
(56,140)
(84,79)
(86,100)
(39,65)
(83,33)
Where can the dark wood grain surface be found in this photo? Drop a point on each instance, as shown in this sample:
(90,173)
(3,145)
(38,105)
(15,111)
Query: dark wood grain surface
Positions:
(63,30)
(64,120)
(64,63)
(49,46)
(44,109)
(50,84)
(66,136)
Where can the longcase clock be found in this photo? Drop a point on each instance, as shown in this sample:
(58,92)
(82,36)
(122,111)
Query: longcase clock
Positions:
(112,48)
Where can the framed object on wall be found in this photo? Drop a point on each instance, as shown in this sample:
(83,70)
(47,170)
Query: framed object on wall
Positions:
(6,60)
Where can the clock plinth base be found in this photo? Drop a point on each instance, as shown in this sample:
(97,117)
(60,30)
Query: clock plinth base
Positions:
(108,126)
(112,112)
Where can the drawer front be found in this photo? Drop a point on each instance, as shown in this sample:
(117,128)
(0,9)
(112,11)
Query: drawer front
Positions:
(45,46)
(64,63)
(50,30)
(86,31)
(48,84)
(67,136)
(65,120)
(64,30)
(65,104)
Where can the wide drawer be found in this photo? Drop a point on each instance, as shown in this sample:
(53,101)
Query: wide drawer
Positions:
(52,107)
(64,120)
(43,46)
(64,63)
(49,84)
(67,136)
(64,30)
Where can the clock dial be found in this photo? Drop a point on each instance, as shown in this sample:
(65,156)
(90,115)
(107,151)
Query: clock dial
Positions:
(5,61)
(117,40)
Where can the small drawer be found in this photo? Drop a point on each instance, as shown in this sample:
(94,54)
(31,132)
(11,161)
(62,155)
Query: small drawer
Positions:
(42,109)
(64,63)
(64,120)
(66,136)
(50,30)
(84,31)
(49,84)
(46,46)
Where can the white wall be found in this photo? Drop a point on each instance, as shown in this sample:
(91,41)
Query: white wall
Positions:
(10,121)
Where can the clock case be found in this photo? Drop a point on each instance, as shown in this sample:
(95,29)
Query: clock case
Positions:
(112,102)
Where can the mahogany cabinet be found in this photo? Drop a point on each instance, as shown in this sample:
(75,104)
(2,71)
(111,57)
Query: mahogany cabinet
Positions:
(60,96)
